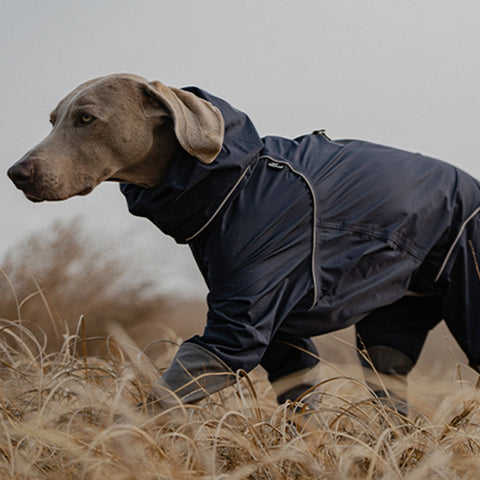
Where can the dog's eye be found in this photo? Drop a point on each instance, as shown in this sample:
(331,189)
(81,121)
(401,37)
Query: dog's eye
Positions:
(86,118)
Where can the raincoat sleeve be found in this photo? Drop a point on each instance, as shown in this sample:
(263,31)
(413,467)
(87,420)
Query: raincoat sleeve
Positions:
(246,308)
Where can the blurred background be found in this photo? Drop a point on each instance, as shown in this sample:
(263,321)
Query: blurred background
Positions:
(400,73)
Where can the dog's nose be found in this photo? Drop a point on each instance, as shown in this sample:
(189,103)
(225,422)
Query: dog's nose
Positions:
(21,173)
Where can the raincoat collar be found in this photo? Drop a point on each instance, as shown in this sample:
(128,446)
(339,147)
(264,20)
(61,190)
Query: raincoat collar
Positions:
(191,193)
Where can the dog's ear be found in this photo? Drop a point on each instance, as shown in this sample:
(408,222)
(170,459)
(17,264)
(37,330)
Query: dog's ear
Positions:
(198,124)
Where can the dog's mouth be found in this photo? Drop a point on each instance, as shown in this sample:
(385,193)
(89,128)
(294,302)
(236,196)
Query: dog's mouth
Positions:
(39,197)
(33,198)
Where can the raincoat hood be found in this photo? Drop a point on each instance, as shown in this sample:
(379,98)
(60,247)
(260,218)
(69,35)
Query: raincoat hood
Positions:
(191,191)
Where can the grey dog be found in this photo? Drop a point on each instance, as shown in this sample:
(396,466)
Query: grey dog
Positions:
(294,237)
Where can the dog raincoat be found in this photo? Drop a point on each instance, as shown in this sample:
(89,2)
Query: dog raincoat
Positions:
(299,237)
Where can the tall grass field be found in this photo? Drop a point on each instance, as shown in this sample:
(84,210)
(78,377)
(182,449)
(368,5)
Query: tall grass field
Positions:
(81,345)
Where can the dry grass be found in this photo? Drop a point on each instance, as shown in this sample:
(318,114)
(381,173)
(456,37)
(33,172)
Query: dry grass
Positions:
(66,272)
(68,414)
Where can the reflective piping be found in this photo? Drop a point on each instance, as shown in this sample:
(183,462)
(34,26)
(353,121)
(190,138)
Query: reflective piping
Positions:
(198,232)
(314,235)
(457,238)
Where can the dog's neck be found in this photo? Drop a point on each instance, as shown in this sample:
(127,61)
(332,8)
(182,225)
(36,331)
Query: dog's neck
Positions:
(150,170)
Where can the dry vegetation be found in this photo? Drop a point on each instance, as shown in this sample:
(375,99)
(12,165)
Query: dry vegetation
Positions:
(67,406)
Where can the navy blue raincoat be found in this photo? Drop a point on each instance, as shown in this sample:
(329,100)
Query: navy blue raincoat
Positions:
(296,238)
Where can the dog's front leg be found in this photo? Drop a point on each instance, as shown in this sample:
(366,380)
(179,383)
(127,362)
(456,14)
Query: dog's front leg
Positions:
(194,373)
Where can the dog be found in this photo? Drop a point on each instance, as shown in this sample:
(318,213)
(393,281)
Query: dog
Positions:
(294,237)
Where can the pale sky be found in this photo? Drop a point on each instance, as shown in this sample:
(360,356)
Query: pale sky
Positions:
(406,74)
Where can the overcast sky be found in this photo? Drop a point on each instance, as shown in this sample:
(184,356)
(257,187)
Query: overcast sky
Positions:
(404,73)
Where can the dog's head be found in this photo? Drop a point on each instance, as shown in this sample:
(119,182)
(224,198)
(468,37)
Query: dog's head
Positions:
(119,127)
